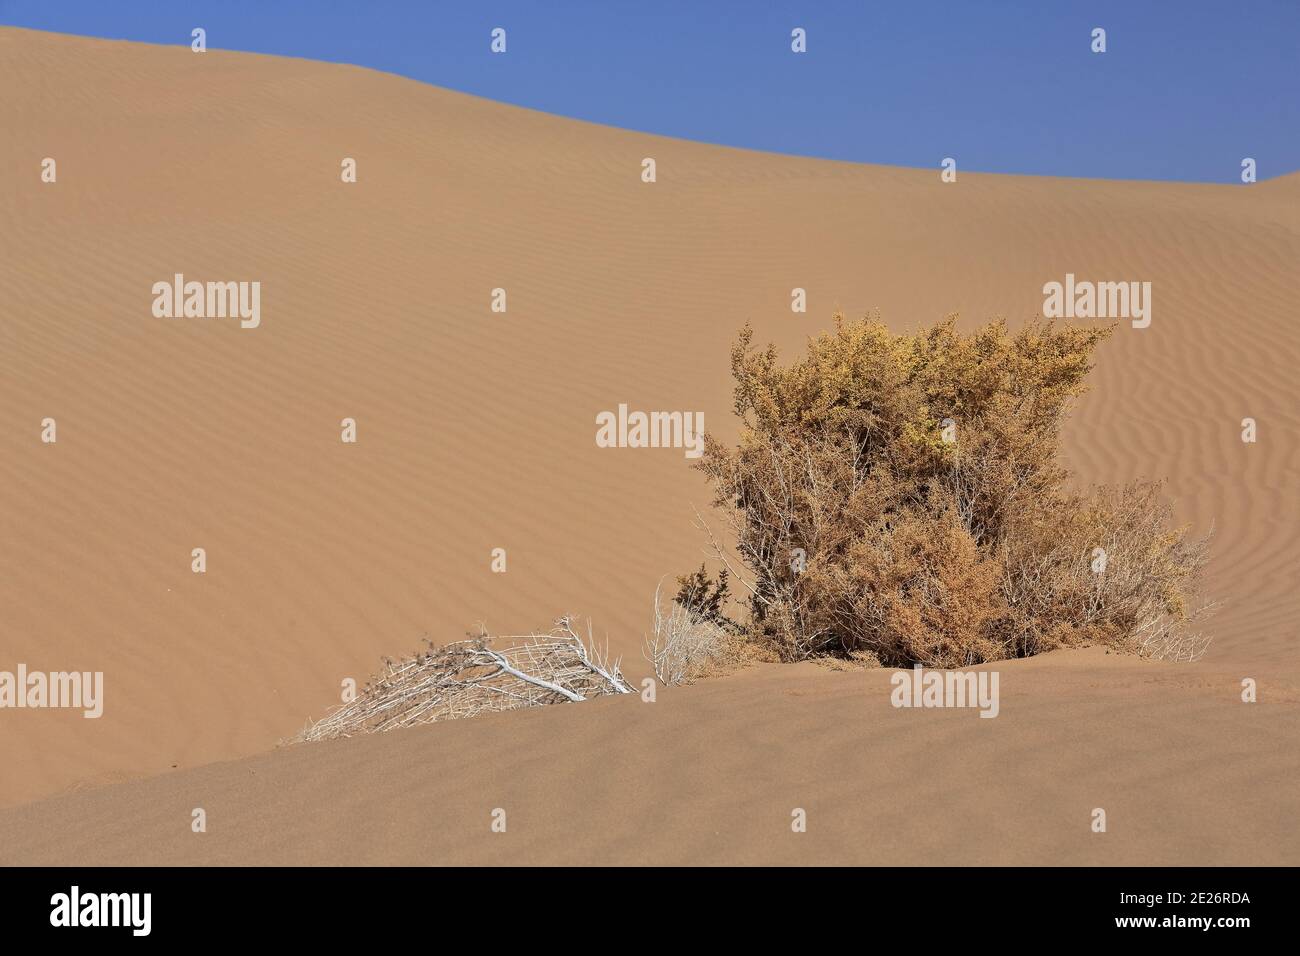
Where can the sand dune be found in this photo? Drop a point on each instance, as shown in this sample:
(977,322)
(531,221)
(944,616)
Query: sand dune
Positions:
(711,775)
(476,431)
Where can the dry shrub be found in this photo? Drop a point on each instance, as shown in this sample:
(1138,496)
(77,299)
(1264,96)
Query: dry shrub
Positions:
(684,643)
(867,533)
(468,678)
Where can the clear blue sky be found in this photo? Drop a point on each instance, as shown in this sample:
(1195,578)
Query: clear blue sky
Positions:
(1186,89)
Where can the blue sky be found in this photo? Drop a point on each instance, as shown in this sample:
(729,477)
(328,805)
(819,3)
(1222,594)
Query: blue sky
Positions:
(1185,90)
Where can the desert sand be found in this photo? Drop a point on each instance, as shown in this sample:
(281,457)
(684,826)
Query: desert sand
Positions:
(476,431)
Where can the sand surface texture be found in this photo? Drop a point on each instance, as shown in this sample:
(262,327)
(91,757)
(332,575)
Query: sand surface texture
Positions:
(476,431)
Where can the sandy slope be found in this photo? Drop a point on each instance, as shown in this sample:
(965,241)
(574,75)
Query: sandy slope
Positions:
(476,431)
(711,774)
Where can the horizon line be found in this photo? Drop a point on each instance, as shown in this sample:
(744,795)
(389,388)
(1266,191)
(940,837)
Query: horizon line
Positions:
(641,131)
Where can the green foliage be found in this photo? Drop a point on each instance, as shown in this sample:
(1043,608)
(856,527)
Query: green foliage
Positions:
(704,597)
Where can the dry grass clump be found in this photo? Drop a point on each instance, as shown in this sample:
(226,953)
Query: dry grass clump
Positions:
(684,644)
(900,498)
(470,677)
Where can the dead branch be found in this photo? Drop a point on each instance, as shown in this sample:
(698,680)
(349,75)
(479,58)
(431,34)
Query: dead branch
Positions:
(468,678)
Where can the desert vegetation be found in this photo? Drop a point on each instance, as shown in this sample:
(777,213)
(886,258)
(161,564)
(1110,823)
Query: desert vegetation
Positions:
(691,637)
(472,677)
(899,498)
(894,499)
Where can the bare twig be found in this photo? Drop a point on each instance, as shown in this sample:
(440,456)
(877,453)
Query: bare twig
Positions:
(467,678)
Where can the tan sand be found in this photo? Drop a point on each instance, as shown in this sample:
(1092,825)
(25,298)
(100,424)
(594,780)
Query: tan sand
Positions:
(477,431)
